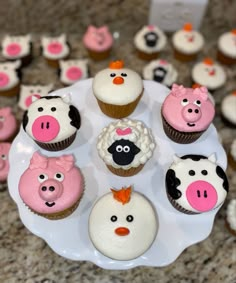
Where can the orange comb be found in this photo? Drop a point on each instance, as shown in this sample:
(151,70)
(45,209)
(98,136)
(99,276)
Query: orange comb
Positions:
(234,92)
(196,85)
(119,64)
(122,195)
(188,27)
(208,61)
(233,31)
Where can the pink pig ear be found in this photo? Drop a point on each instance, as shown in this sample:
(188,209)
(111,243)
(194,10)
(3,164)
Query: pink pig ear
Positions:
(92,28)
(202,92)
(178,90)
(66,161)
(38,161)
(103,29)
(6,111)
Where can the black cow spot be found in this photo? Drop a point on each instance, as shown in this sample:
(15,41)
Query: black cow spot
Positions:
(151,39)
(159,74)
(123,151)
(25,119)
(220,172)
(75,117)
(194,157)
(172,182)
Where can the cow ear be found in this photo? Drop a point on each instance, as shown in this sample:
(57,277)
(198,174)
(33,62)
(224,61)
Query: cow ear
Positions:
(61,63)
(49,87)
(112,148)
(66,98)
(17,64)
(134,149)
(212,158)
(62,37)
(28,37)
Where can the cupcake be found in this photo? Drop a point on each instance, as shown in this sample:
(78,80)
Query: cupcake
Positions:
(9,78)
(117,223)
(17,48)
(187,43)
(117,90)
(71,71)
(226,48)
(231,216)
(52,122)
(160,71)
(4,162)
(209,74)
(46,186)
(29,92)
(55,49)
(8,125)
(125,146)
(196,184)
(232,155)
(228,109)
(149,42)
(98,42)
(186,113)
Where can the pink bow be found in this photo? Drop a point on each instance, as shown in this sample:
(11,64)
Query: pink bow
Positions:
(38,161)
(178,90)
(202,92)
(66,162)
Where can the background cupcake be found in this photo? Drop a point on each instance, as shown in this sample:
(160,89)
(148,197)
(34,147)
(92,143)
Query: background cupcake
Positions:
(8,124)
(228,109)
(232,155)
(231,216)
(226,48)
(4,163)
(125,146)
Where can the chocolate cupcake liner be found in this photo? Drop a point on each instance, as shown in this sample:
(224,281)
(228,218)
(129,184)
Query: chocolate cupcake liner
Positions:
(227,225)
(180,137)
(179,207)
(57,145)
(125,173)
(118,111)
(227,122)
(184,57)
(98,56)
(231,161)
(147,56)
(11,92)
(225,59)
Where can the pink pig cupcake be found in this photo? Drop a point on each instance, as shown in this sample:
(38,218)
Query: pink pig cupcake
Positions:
(98,42)
(45,186)
(8,124)
(4,163)
(186,113)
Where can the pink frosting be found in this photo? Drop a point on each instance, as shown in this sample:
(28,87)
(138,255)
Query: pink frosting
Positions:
(50,185)
(98,39)
(187,109)
(4,163)
(13,49)
(8,123)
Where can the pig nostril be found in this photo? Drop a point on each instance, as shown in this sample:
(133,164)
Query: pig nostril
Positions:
(51,189)
(44,188)
(196,110)
(190,110)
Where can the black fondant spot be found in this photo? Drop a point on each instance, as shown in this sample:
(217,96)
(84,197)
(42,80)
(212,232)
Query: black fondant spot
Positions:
(220,172)
(123,74)
(172,182)
(130,218)
(50,204)
(204,172)
(151,39)
(191,172)
(49,97)
(53,109)
(75,117)
(159,74)
(25,119)
(194,157)
(40,109)
(112,75)
(114,218)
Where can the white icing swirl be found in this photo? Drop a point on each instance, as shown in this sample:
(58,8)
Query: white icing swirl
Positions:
(140,135)
(227,44)
(231,214)
(228,107)
(233,149)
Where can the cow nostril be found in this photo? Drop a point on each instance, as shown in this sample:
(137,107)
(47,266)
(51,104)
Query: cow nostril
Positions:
(196,110)
(51,189)
(44,188)
(190,110)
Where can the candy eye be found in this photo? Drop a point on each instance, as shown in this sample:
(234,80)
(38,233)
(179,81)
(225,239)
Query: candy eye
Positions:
(53,109)
(198,103)
(42,178)
(130,218)
(4,157)
(191,172)
(39,90)
(184,102)
(40,109)
(59,176)
(123,74)
(112,75)
(126,149)
(204,172)
(114,218)
(119,148)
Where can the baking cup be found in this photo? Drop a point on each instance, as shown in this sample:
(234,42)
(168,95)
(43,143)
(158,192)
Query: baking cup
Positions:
(11,92)
(231,161)
(227,225)
(147,56)
(125,173)
(98,56)
(178,207)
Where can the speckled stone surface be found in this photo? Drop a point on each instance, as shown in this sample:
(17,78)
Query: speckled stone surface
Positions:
(27,258)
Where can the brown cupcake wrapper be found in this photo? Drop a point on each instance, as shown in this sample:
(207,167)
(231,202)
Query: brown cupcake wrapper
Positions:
(58,145)
(231,161)
(11,92)
(180,137)
(225,59)
(98,56)
(125,173)
(118,111)
(147,56)
(179,207)
(55,62)
(185,57)
(227,122)
(227,225)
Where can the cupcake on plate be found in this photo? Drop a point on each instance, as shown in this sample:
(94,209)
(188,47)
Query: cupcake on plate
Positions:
(8,124)
(117,223)
(46,186)
(209,74)
(55,49)
(149,42)
(125,146)
(4,162)
(52,122)
(228,112)
(10,78)
(196,184)
(118,90)
(160,71)
(186,113)
(232,155)
(98,42)
(227,48)
(231,216)
(187,43)
(17,47)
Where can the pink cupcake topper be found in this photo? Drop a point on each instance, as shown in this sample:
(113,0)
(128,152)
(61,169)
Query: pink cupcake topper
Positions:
(123,132)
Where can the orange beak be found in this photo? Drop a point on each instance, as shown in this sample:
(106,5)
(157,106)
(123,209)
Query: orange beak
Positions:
(122,231)
(118,80)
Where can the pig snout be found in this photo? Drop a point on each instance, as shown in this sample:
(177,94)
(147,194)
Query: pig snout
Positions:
(50,190)
(2,164)
(191,113)
(45,128)
(4,79)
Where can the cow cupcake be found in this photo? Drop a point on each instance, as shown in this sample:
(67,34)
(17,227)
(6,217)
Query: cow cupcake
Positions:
(125,146)
(8,124)
(4,162)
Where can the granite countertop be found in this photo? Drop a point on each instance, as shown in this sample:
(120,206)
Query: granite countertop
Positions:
(27,258)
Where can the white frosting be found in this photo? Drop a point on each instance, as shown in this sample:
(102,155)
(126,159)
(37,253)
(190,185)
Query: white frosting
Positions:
(182,168)
(140,135)
(45,41)
(142,230)
(169,78)
(231,214)
(201,74)
(118,94)
(61,115)
(24,42)
(27,91)
(81,64)
(183,43)
(227,44)
(8,69)
(140,43)
(228,108)
(233,149)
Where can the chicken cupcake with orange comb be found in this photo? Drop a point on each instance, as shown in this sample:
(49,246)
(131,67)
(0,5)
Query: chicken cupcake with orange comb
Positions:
(209,74)
(118,90)
(187,43)
(227,48)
